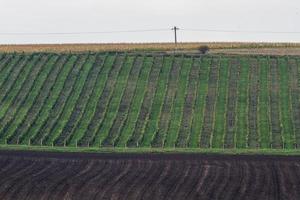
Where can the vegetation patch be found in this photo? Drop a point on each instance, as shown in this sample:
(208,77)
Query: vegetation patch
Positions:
(144,102)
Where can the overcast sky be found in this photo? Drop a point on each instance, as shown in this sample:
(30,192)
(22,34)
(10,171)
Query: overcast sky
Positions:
(64,16)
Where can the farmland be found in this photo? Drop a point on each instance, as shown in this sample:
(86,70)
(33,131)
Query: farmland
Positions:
(33,175)
(136,100)
(215,47)
(134,125)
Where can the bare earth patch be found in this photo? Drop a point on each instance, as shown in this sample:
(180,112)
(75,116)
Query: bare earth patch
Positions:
(33,175)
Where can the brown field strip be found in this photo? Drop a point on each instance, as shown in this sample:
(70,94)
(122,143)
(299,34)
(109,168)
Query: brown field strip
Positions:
(34,175)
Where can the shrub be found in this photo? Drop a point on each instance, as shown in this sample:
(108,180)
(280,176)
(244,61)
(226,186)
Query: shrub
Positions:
(203,49)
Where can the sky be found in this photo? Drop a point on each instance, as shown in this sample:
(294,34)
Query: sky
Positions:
(99,21)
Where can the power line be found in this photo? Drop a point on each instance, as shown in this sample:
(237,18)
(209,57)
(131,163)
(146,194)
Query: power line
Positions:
(87,33)
(149,30)
(240,31)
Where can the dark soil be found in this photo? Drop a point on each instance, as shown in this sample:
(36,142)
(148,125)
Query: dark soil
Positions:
(35,175)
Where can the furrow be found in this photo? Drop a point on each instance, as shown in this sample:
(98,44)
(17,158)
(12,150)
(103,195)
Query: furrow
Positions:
(165,115)
(135,107)
(189,103)
(210,102)
(82,101)
(178,104)
(229,140)
(153,119)
(276,128)
(146,106)
(125,104)
(201,93)
(71,101)
(102,103)
(114,103)
(59,104)
(38,102)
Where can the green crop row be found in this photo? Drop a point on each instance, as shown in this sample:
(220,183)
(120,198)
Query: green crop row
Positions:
(149,101)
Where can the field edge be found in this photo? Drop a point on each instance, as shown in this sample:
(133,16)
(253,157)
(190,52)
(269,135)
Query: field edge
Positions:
(285,152)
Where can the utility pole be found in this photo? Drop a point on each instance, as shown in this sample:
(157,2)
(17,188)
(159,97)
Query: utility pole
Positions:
(175,33)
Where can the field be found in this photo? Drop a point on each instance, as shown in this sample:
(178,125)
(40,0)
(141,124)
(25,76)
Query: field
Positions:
(32,175)
(155,125)
(104,100)
(183,46)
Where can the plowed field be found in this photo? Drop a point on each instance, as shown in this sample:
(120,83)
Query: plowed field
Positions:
(31,175)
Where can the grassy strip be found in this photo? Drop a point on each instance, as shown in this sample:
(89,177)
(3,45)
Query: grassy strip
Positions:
(19,87)
(165,115)
(114,103)
(295,97)
(229,135)
(91,108)
(71,101)
(179,102)
(97,63)
(278,152)
(103,102)
(13,62)
(125,103)
(297,70)
(277,139)
(136,103)
(14,81)
(201,93)
(146,103)
(206,136)
(57,109)
(253,87)
(263,104)
(285,105)
(55,48)
(152,122)
(21,113)
(4,63)
(38,103)
(221,104)
(20,91)
(50,101)
(189,103)
(242,105)
(3,57)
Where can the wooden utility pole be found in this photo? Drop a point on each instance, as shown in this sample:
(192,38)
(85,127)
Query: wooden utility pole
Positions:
(175,33)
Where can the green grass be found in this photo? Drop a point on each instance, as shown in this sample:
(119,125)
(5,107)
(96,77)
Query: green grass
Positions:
(66,93)
(151,127)
(145,150)
(189,104)
(221,105)
(137,103)
(197,121)
(44,112)
(31,96)
(263,105)
(5,72)
(112,107)
(92,102)
(14,82)
(126,102)
(285,105)
(178,104)
(70,103)
(242,104)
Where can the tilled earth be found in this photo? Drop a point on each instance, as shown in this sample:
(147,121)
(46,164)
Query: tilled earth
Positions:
(33,175)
